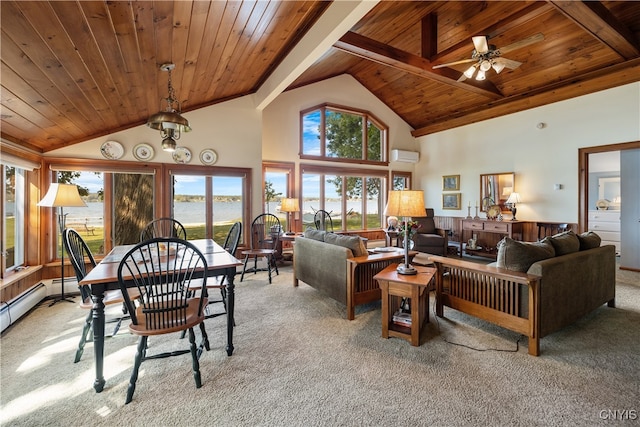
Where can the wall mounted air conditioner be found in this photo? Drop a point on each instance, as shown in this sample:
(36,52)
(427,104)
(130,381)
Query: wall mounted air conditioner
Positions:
(405,156)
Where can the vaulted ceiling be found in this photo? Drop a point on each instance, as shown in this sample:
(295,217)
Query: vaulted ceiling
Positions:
(75,70)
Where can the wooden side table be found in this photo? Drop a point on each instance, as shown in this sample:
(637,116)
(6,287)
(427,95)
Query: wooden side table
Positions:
(396,286)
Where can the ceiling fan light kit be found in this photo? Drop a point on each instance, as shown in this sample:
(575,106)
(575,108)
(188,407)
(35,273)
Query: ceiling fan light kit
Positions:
(486,57)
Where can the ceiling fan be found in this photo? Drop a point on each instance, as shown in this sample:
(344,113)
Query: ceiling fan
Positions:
(486,56)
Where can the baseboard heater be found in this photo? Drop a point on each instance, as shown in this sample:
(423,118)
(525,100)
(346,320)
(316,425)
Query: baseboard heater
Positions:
(12,310)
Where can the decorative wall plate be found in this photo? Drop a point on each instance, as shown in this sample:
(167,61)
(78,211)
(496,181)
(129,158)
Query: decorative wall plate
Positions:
(143,152)
(112,150)
(208,157)
(493,212)
(182,155)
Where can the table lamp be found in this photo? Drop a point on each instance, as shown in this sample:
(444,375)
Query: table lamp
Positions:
(405,203)
(289,205)
(511,202)
(62,196)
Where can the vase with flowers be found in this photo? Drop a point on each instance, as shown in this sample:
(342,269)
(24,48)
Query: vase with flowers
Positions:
(412,227)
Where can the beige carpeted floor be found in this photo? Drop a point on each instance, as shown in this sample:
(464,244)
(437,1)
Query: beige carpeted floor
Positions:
(299,362)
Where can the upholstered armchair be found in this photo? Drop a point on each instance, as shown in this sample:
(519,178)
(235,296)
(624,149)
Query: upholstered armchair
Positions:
(428,238)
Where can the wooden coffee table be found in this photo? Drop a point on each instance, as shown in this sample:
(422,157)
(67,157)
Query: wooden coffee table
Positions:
(396,286)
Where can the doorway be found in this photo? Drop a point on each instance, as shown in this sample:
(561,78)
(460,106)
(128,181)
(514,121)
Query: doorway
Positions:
(631,209)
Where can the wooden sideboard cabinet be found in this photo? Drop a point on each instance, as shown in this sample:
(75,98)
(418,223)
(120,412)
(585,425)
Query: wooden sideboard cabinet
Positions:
(513,229)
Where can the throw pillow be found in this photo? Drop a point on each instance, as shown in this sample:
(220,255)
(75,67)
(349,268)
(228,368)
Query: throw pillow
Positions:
(315,234)
(589,240)
(518,256)
(565,243)
(354,243)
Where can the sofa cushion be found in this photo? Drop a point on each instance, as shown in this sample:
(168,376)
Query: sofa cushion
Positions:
(518,256)
(565,243)
(589,240)
(354,243)
(315,234)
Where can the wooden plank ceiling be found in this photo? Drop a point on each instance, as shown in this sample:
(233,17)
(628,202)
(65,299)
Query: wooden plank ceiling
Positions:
(75,70)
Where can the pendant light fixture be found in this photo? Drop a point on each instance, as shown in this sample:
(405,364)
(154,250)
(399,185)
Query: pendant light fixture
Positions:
(169,122)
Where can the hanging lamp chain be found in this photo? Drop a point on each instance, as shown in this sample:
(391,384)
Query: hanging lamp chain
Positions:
(171,98)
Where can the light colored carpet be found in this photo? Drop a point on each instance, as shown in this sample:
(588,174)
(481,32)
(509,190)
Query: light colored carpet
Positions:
(298,361)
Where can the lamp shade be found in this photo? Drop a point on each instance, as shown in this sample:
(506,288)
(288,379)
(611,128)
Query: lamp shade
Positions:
(513,198)
(168,120)
(62,195)
(405,203)
(289,205)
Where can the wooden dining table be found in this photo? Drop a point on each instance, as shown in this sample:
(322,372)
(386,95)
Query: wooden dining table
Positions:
(104,277)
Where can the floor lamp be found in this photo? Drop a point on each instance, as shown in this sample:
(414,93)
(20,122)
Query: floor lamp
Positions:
(405,203)
(62,196)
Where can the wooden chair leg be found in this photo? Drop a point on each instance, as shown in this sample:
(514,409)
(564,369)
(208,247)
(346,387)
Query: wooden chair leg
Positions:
(140,353)
(83,338)
(244,267)
(194,358)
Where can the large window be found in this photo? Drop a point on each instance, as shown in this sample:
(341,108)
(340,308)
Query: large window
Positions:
(208,203)
(342,134)
(351,196)
(279,183)
(13,218)
(118,206)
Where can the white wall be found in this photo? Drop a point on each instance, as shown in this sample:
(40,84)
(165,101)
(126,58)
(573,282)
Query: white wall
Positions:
(232,129)
(281,119)
(540,158)
(243,136)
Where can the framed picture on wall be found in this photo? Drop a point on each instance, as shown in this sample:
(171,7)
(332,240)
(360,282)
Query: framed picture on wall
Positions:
(451,201)
(451,183)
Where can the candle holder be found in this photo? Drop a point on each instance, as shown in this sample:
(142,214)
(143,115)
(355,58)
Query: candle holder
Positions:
(468,212)
(476,217)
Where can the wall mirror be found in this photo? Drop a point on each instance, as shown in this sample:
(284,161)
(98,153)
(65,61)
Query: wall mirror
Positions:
(495,188)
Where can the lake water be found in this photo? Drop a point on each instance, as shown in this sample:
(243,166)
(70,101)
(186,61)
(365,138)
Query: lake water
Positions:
(193,212)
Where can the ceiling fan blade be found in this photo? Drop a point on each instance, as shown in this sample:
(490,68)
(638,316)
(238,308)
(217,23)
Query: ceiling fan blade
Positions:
(480,43)
(508,63)
(522,43)
(462,61)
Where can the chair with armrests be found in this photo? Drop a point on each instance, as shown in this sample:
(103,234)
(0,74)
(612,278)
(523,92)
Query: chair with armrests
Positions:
(162,270)
(428,238)
(163,227)
(80,254)
(231,246)
(322,220)
(550,228)
(263,236)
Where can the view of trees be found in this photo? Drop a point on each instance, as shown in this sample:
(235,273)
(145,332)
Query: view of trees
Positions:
(269,193)
(345,140)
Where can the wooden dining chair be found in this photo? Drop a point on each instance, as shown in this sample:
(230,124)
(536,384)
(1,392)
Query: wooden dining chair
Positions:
(162,270)
(219,282)
(322,220)
(80,255)
(163,227)
(264,236)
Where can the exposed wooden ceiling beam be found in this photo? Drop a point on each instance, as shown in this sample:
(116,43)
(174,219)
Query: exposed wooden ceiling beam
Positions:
(512,21)
(429,39)
(339,17)
(375,51)
(602,79)
(596,19)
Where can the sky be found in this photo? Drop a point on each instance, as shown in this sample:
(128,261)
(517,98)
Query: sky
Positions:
(185,184)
